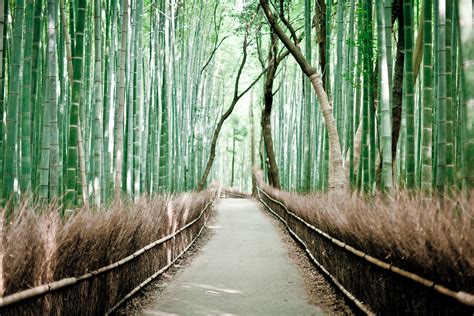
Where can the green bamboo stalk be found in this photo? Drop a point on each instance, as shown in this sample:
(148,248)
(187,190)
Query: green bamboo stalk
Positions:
(13,103)
(138,109)
(97,130)
(110,57)
(164,181)
(3,55)
(388,40)
(119,122)
(350,82)
(75,152)
(129,122)
(339,108)
(456,86)
(308,160)
(36,113)
(441,98)
(370,95)
(427,116)
(450,111)
(25,163)
(53,105)
(384,101)
(44,163)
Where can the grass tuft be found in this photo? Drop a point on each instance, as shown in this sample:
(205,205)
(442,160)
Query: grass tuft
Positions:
(432,237)
(38,247)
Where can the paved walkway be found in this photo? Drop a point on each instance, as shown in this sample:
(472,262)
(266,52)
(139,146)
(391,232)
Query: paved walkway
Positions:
(243,269)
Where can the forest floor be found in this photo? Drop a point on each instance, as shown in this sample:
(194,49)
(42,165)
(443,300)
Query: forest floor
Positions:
(245,264)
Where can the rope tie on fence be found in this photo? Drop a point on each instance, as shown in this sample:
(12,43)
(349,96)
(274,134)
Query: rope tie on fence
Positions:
(461,296)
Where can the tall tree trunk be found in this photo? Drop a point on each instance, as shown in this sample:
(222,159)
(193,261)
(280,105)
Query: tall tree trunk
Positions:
(320,25)
(252,145)
(397,85)
(337,179)
(267,110)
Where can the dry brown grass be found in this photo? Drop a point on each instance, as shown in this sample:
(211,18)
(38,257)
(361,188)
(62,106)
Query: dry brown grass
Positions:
(433,237)
(38,247)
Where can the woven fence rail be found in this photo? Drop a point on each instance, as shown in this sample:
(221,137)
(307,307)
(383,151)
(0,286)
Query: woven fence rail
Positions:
(374,286)
(158,255)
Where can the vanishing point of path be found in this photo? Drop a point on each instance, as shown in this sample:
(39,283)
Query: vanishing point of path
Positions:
(243,269)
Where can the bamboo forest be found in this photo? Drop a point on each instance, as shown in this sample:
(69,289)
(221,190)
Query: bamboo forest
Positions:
(338,132)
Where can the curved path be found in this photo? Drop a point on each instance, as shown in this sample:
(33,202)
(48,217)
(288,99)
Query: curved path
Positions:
(243,269)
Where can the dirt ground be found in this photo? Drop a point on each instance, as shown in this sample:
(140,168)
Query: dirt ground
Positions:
(320,291)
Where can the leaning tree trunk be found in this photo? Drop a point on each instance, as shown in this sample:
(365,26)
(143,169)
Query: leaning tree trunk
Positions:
(223,118)
(337,179)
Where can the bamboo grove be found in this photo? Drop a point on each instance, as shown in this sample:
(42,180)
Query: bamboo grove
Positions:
(103,98)
(399,77)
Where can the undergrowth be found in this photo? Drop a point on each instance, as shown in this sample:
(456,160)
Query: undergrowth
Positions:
(39,247)
(430,236)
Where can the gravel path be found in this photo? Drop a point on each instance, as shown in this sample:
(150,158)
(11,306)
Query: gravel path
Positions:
(245,268)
